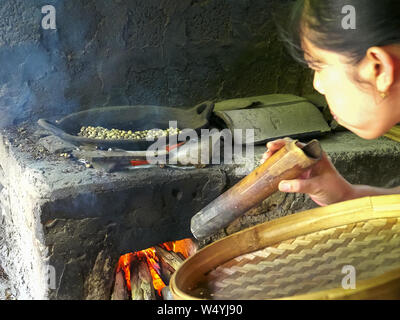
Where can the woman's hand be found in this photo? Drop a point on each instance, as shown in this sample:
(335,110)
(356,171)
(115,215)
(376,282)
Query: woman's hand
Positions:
(322,182)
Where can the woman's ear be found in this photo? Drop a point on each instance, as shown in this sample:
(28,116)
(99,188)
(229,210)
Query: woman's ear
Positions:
(379,66)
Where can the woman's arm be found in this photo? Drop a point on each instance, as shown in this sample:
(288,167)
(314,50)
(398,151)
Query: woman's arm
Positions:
(323,183)
(359,191)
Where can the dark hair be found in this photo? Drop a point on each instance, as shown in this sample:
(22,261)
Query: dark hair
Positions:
(320,21)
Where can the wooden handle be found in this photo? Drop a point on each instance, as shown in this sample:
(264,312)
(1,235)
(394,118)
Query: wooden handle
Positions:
(286,164)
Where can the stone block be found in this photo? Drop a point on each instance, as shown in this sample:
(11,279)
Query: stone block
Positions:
(56,145)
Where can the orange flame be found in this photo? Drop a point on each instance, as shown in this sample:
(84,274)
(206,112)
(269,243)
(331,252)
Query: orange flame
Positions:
(124,264)
(154,267)
(152,261)
(181,246)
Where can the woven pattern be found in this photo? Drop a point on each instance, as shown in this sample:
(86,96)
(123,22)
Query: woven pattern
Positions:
(394,133)
(310,263)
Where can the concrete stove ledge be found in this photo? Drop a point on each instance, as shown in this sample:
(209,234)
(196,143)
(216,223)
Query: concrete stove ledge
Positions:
(55,212)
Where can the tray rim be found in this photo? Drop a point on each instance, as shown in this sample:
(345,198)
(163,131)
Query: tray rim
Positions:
(281,229)
(201,112)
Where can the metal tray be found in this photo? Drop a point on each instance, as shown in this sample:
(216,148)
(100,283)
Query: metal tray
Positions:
(137,118)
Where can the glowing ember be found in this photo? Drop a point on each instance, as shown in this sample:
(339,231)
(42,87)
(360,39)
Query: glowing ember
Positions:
(124,264)
(154,267)
(181,246)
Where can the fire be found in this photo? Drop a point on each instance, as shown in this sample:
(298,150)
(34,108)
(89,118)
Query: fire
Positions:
(124,263)
(154,267)
(168,148)
(181,246)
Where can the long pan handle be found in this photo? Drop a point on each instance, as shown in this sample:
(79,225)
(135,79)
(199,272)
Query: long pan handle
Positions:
(46,124)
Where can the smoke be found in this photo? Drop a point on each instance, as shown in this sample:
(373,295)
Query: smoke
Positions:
(33,72)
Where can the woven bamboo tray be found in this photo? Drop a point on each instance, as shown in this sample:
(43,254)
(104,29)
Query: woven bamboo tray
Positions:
(302,256)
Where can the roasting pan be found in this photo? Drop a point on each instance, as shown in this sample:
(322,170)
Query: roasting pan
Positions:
(135,118)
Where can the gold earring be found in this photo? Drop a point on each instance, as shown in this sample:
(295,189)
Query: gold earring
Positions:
(383,94)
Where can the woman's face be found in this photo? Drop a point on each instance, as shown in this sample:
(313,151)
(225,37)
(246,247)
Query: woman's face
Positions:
(355,106)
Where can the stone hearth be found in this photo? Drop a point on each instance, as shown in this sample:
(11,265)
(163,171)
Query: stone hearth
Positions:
(56,212)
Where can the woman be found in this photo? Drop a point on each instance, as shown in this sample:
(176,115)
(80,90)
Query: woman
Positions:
(357,70)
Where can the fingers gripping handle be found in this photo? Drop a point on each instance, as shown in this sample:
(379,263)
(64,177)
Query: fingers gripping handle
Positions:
(288,163)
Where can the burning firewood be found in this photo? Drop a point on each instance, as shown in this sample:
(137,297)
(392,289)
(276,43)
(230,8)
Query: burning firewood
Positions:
(120,291)
(170,258)
(141,281)
(186,247)
(166,271)
(148,272)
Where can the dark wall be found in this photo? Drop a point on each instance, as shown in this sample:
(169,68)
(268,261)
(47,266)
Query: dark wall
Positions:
(113,52)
